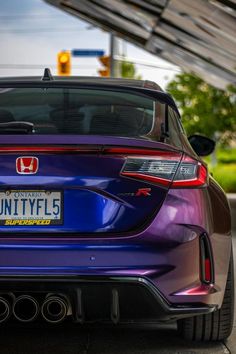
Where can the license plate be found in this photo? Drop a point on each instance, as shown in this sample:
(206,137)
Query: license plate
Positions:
(30,208)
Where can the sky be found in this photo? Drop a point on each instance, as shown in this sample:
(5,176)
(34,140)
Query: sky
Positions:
(33,32)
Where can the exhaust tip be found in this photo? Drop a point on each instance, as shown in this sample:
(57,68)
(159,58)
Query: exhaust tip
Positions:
(4,310)
(54,309)
(25,308)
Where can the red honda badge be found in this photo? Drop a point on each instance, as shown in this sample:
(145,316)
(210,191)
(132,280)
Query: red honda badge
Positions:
(27,165)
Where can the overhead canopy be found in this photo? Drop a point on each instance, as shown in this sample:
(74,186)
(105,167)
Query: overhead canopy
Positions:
(199,36)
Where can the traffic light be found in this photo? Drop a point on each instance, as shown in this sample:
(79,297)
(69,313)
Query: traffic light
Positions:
(64,63)
(105,61)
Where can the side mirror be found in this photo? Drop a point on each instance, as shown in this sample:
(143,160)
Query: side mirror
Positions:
(202,145)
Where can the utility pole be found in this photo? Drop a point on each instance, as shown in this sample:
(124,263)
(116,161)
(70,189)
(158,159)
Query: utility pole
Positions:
(114,51)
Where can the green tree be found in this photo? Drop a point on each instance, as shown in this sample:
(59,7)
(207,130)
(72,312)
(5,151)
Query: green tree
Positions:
(128,70)
(204,108)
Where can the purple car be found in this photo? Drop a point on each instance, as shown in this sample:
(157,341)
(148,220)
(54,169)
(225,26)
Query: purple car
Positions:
(107,212)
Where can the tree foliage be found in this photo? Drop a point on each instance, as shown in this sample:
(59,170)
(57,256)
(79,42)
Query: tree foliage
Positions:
(128,70)
(204,108)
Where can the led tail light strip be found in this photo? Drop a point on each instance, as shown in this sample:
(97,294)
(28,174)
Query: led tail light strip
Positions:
(168,169)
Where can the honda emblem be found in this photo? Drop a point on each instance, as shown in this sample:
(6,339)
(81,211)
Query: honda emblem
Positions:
(27,165)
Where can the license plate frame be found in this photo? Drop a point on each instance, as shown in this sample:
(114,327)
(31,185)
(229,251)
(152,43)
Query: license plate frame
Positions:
(55,197)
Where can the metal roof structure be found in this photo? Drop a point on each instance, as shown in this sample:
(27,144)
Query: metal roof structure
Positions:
(197,35)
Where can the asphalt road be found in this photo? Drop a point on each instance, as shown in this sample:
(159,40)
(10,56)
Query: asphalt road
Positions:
(78,340)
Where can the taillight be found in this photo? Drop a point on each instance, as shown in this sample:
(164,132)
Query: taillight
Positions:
(168,169)
(190,173)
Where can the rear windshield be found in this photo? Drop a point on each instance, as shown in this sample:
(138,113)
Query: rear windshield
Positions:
(79,111)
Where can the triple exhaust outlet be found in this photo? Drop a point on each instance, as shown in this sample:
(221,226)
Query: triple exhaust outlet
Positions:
(26,308)
(4,309)
(54,309)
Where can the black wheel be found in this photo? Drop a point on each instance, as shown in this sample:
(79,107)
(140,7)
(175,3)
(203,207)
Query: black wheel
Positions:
(216,325)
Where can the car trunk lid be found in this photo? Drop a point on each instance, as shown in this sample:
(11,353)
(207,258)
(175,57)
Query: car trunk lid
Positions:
(82,185)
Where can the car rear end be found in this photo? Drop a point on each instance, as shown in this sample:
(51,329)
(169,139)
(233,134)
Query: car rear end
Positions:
(105,212)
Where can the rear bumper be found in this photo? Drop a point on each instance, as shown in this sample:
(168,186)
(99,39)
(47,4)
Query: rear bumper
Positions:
(118,300)
(166,255)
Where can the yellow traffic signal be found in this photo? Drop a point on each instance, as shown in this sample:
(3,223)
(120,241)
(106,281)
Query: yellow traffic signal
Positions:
(105,61)
(64,63)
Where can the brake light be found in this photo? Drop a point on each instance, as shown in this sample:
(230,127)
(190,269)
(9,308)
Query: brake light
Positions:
(50,149)
(167,169)
(190,173)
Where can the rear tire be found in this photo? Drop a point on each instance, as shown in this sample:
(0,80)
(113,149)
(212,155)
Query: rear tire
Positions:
(217,325)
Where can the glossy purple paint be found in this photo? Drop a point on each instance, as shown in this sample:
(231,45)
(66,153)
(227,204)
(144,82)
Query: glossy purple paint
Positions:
(79,139)
(164,250)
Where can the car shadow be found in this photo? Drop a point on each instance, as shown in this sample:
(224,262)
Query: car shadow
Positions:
(99,340)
